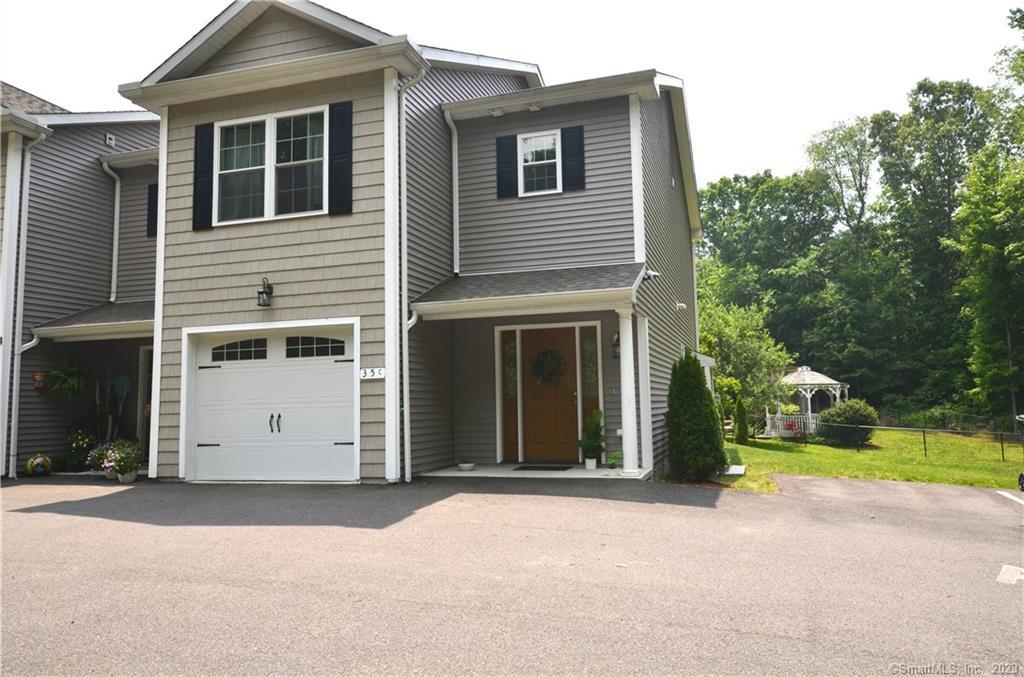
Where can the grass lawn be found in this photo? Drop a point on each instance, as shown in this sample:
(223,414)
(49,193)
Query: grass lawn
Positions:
(892,455)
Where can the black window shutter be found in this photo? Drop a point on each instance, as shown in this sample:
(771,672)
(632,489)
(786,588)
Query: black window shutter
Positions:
(339,159)
(508,180)
(573,172)
(151,197)
(202,178)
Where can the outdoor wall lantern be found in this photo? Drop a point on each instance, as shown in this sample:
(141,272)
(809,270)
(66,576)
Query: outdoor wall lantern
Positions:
(264,293)
(615,345)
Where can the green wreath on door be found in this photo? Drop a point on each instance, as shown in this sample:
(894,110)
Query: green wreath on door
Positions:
(548,366)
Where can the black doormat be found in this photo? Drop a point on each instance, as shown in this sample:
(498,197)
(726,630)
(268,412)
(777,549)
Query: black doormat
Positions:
(538,466)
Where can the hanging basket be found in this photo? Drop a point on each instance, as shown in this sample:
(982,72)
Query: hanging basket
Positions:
(548,366)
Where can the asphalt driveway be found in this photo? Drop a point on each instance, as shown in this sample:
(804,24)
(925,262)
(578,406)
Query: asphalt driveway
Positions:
(508,576)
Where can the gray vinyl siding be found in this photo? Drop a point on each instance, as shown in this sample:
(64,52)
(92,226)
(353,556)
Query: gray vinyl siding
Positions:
(67,266)
(475,418)
(670,252)
(321,266)
(136,266)
(428,149)
(274,37)
(3,184)
(70,219)
(575,228)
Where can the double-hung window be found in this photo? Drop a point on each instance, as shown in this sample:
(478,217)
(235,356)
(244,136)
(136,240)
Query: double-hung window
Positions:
(272,166)
(540,163)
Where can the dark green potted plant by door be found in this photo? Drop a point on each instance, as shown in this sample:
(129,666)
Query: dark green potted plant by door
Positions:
(592,442)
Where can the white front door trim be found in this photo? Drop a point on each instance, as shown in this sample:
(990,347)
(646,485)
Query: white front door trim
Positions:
(189,336)
(519,329)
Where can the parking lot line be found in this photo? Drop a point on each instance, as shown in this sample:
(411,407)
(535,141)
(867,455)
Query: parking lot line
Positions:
(1010,496)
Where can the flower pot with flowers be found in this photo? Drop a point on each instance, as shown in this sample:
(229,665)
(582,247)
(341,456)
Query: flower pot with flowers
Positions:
(124,459)
(99,460)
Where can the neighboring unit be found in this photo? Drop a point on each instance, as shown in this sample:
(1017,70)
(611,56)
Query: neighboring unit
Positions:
(372,258)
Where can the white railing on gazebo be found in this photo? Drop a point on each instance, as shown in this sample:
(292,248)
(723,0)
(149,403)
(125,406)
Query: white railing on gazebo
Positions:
(791,425)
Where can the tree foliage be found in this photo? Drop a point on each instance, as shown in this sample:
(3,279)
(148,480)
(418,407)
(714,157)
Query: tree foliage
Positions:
(740,423)
(840,421)
(696,446)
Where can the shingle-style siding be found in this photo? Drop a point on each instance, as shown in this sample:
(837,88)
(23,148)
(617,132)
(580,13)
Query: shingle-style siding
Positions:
(321,266)
(136,267)
(575,228)
(428,148)
(274,37)
(70,228)
(670,252)
(475,419)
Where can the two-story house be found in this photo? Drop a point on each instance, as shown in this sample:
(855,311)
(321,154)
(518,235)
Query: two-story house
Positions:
(77,263)
(374,257)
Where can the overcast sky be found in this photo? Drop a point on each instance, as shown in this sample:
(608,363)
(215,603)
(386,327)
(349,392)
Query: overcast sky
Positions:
(761,77)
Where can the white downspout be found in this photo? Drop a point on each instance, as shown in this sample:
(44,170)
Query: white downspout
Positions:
(407,323)
(117,229)
(455,191)
(26,170)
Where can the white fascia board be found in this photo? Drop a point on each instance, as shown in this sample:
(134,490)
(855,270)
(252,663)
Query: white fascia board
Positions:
(640,83)
(533,304)
(134,158)
(682,131)
(447,58)
(397,53)
(197,41)
(107,118)
(27,125)
(97,332)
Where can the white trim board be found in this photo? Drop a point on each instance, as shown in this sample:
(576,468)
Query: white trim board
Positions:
(636,162)
(189,339)
(519,329)
(158,300)
(12,202)
(108,118)
(392,328)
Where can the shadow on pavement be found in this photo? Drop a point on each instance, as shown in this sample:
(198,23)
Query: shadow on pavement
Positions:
(356,506)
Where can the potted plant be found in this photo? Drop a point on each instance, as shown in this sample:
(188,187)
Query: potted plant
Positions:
(39,379)
(465,463)
(614,459)
(124,458)
(67,382)
(592,442)
(99,459)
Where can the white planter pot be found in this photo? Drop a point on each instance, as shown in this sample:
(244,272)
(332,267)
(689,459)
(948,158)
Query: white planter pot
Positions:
(590,463)
(127,478)
(110,474)
(466,466)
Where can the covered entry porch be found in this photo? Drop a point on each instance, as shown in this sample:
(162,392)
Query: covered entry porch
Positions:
(525,368)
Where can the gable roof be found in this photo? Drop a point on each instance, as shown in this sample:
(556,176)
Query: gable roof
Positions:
(17,99)
(240,14)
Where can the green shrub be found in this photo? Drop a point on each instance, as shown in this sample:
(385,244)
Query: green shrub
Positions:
(69,461)
(848,413)
(696,449)
(739,425)
(592,442)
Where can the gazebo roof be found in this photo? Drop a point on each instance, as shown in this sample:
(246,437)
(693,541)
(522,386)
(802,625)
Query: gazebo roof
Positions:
(804,376)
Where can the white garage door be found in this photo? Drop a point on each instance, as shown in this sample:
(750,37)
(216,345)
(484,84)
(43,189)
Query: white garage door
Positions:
(276,406)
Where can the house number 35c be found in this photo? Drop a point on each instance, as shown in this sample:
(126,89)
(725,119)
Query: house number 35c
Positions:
(371,373)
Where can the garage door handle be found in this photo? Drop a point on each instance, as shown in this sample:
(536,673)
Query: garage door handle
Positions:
(271,423)
(279,423)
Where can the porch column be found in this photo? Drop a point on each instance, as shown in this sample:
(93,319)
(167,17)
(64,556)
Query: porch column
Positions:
(630,456)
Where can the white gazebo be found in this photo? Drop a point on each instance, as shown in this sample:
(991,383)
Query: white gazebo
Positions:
(806,382)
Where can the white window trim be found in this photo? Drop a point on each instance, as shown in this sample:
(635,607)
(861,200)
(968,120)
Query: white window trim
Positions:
(557,133)
(269,165)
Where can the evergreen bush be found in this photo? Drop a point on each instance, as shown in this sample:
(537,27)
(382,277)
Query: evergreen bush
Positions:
(848,413)
(696,445)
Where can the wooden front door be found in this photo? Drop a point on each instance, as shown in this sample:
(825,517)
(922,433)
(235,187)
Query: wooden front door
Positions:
(549,408)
